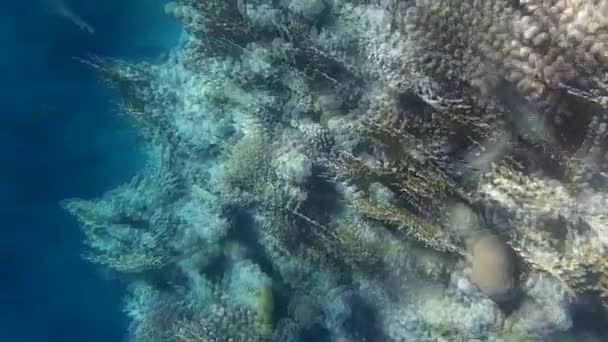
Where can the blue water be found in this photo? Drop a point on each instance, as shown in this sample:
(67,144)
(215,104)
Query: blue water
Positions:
(61,137)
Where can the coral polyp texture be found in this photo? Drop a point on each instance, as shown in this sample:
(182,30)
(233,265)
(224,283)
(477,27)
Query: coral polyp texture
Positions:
(334,170)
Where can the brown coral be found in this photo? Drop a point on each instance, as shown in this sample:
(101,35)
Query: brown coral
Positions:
(492,266)
(542,60)
(535,45)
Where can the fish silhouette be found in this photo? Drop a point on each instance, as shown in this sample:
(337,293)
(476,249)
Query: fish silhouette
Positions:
(61,9)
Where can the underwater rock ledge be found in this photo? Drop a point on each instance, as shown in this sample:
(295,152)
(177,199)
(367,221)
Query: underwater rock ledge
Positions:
(336,170)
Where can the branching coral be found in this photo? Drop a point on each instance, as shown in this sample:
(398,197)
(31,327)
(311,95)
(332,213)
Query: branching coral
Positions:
(217,23)
(128,231)
(224,324)
(247,167)
(415,226)
(154,314)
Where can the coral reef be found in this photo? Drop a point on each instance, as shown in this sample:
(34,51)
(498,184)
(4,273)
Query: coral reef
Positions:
(350,170)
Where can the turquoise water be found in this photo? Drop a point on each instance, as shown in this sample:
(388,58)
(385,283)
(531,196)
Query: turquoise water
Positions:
(61,137)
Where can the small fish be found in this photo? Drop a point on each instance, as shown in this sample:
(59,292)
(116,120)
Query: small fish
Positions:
(63,10)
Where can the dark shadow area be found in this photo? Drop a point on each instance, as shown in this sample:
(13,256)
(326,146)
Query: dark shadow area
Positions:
(60,137)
